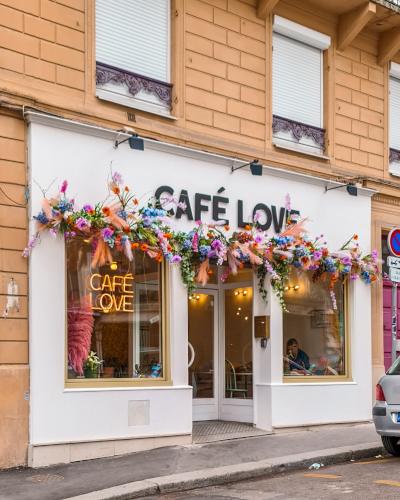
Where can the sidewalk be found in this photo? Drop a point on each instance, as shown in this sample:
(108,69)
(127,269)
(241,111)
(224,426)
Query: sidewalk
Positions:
(234,457)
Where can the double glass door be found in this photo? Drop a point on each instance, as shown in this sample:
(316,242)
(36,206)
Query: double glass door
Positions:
(220,352)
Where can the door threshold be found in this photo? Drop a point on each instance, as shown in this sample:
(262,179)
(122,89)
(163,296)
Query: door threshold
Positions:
(211,431)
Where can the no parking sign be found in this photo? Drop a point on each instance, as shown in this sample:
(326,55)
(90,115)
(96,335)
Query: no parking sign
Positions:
(393,242)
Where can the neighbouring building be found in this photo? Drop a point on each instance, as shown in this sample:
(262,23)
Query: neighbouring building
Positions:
(312,92)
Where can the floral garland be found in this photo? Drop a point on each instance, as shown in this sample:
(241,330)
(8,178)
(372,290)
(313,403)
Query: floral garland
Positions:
(120,223)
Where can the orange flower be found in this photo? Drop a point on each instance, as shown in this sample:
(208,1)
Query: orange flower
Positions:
(240,266)
(135,202)
(283,257)
(158,258)
(167,235)
(111,228)
(116,190)
(334,280)
(143,247)
(317,263)
(355,237)
(169,248)
(373,278)
(306,259)
(91,211)
(326,252)
(69,220)
(134,245)
(210,235)
(106,211)
(159,251)
(312,250)
(247,227)
(209,272)
(126,188)
(331,286)
(255,245)
(127,230)
(226,228)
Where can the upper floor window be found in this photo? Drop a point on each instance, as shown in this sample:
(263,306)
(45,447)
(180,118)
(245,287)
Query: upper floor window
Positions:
(298,86)
(133,54)
(394,119)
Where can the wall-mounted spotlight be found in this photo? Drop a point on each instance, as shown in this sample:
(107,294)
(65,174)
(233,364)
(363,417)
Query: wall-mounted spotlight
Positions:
(134,142)
(221,190)
(244,292)
(351,188)
(255,167)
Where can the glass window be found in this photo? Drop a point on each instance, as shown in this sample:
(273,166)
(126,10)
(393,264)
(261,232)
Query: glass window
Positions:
(238,343)
(395,368)
(314,329)
(114,315)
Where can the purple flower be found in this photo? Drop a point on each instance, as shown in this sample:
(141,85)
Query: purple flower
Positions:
(216,244)
(176,258)
(313,267)
(64,187)
(117,178)
(374,254)
(317,255)
(354,276)
(73,234)
(25,253)
(66,236)
(257,215)
(258,239)
(346,260)
(106,233)
(287,204)
(198,222)
(81,224)
(53,232)
(88,207)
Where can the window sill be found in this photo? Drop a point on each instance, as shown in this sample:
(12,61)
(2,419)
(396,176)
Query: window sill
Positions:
(130,102)
(102,384)
(293,147)
(327,380)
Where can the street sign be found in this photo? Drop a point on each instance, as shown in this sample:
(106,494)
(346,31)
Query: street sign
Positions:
(394,275)
(393,262)
(393,242)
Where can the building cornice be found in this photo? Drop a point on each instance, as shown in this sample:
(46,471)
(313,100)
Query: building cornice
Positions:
(106,133)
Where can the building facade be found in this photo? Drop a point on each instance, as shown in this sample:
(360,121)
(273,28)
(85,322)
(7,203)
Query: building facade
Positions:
(309,91)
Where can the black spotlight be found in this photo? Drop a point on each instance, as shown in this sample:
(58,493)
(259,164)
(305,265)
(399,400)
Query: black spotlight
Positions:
(256,168)
(221,189)
(134,142)
(351,189)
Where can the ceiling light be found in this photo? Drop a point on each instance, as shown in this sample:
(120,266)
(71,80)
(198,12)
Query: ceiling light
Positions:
(245,292)
(197,297)
(238,314)
(236,293)
(246,317)
(287,287)
(114,266)
(239,308)
(296,287)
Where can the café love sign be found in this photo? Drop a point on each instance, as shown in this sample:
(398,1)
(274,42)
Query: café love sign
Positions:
(111,293)
(272,214)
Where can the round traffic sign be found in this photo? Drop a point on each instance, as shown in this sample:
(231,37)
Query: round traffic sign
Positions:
(393,242)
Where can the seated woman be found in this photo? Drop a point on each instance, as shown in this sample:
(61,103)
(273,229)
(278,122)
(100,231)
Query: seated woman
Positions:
(296,360)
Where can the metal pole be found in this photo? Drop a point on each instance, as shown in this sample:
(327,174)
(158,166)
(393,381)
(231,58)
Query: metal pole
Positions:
(394,321)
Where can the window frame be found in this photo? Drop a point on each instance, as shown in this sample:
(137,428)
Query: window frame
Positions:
(100,383)
(348,377)
(132,101)
(394,165)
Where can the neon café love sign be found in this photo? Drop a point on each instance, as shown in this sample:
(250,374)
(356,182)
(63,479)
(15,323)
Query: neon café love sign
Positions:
(107,285)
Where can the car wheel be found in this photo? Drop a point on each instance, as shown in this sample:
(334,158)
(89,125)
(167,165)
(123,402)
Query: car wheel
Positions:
(391,446)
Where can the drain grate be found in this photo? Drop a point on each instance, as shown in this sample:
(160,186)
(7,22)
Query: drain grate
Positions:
(218,430)
(45,478)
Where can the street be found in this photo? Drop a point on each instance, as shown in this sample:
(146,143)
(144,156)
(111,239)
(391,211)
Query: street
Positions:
(367,480)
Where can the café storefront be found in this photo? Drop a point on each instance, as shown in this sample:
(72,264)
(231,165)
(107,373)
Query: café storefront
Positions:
(169,359)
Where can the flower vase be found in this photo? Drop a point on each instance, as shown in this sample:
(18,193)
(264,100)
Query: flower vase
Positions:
(89,373)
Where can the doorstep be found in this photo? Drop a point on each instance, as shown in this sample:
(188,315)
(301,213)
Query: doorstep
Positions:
(211,431)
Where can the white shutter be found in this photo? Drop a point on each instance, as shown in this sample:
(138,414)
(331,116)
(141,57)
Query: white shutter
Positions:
(134,35)
(297,81)
(394,113)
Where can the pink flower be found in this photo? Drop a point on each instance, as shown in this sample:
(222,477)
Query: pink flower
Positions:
(354,276)
(64,187)
(53,232)
(198,222)
(374,254)
(257,215)
(176,258)
(317,255)
(346,260)
(81,224)
(117,178)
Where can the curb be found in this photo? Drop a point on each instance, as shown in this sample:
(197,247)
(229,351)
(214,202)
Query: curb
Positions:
(230,473)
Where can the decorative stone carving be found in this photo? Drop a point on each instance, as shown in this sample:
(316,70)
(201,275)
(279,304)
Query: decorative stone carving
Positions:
(394,155)
(299,130)
(135,83)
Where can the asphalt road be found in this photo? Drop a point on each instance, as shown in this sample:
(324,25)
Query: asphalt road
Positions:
(352,481)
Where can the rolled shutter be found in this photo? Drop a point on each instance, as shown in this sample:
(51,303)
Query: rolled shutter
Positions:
(133,35)
(297,81)
(394,113)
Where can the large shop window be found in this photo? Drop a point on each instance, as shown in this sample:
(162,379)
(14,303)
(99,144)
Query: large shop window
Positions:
(115,314)
(314,333)
(394,119)
(133,54)
(298,86)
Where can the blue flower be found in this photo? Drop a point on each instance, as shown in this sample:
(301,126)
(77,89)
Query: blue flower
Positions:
(346,269)
(330,265)
(300,252)
(204,249)
(298,264)
(42,218)
(122,214)
(187,244)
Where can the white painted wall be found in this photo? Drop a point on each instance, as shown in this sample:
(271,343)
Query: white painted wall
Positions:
(60,415)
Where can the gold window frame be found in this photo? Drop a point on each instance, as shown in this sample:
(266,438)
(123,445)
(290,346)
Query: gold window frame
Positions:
(163,381)
(287,379)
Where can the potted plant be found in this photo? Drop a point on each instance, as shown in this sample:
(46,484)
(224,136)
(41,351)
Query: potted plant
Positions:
(91,365)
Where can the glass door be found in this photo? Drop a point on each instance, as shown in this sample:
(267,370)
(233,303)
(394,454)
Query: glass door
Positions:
(203,354)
